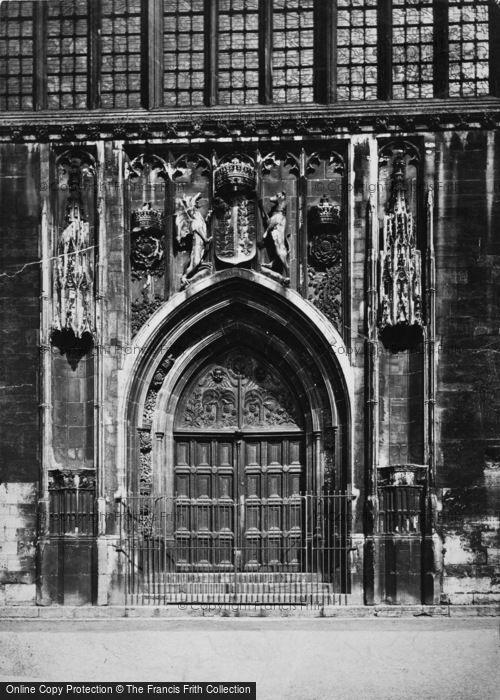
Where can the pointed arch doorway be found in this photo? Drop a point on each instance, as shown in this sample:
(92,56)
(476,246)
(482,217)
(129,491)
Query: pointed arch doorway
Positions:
(239,452)
(239,468)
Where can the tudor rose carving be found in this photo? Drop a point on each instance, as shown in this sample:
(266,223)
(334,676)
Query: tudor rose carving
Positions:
(146,247)
(325,256)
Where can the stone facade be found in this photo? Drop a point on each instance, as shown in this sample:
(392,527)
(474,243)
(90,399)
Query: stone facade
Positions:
(347,253)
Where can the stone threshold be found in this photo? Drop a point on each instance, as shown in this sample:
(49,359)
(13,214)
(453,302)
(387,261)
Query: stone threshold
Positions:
(211,610)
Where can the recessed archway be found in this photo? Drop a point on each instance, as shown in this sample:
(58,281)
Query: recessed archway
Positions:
(238,417)
(208,317)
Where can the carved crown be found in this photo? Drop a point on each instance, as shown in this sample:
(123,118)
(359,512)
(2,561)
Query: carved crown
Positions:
(328,213)
(146,218)
(235,175)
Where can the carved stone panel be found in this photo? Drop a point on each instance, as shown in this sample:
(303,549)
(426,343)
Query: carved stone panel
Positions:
(234,208)
(147,246)
(191,176)
(325,259)
(400,283)
(148,176)
(238,392)
(74,254)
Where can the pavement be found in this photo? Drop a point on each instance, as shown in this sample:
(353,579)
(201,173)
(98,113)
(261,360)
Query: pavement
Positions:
(296,659)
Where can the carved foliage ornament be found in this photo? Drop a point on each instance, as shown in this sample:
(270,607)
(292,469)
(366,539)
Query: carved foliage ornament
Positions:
(73,264)
(238,392)
(71,480)
(400,287)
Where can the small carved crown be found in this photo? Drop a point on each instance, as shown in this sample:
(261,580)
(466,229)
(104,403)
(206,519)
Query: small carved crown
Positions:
(328,213)
(146,217)
(235,175)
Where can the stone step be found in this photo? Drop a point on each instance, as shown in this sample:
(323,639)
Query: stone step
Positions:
(246,577)
(164,598)
(221,589)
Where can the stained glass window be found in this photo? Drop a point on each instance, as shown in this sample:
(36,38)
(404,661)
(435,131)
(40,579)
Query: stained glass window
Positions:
(184,45)
(469,51)
(357,50)
(412,51)
(16,55)
(121,53)
(238,51)
(293,42)
(67,50)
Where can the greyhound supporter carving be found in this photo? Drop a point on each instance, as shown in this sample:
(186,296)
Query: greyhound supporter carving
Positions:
(275,236)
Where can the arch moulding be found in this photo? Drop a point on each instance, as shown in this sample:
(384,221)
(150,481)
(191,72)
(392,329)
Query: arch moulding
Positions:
(209,315)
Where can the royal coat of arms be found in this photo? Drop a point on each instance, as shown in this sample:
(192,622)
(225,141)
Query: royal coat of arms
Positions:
(234,209)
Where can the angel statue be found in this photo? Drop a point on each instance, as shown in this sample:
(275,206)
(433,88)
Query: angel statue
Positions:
(191,223)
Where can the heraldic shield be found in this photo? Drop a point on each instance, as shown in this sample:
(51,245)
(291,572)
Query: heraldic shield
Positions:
(235,211)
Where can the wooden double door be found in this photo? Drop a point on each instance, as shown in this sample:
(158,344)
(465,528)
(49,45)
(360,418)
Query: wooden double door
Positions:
(239,469)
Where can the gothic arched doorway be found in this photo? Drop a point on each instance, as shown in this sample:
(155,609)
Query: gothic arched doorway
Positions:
(239,456)
(239,468)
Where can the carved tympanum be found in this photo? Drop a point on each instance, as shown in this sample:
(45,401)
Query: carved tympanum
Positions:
(238,392)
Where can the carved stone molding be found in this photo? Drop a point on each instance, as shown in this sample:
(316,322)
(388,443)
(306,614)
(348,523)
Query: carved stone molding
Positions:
(154,388)
(145,468)
(325,292)
(66,479)
(403,475)
(136,166)
(317,122)
(142,309)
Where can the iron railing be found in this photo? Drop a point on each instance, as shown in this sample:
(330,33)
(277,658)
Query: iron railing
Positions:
(278,551)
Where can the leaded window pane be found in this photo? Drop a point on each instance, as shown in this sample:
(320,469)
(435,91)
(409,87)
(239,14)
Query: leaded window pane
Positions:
(293,49)
(16,55)
(357,50)
(469,48)
(238,51)
(413,50)
(184,45)
(67,51)
(121,53)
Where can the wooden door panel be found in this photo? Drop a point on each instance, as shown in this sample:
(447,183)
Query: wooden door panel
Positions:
(223,469)
(237,469)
